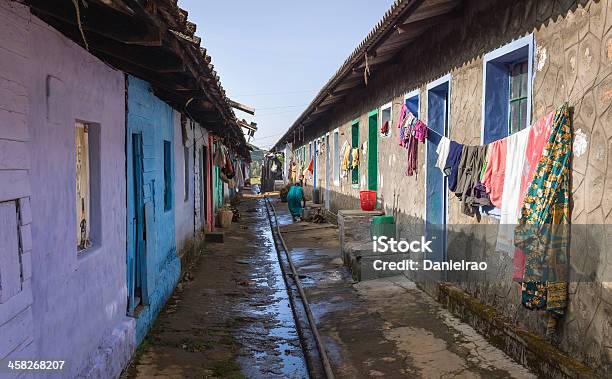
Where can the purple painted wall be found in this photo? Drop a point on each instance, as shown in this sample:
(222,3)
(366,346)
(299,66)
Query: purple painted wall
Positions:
(78,300)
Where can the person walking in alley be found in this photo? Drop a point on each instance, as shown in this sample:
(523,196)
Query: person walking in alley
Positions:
(296,201)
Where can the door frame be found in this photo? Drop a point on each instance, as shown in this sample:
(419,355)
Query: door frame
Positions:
(136,260)
(432,86)
(372,152)
(327,170)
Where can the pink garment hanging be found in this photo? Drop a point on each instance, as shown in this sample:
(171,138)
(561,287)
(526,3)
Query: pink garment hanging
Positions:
(495,172)
(538,136)
(420,131)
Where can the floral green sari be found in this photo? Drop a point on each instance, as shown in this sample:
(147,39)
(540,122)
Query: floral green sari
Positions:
(543,230)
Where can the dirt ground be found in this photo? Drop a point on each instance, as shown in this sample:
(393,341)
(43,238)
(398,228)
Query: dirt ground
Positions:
(234,318)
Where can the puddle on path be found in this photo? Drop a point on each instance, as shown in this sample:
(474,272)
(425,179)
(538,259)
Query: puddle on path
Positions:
(280,353)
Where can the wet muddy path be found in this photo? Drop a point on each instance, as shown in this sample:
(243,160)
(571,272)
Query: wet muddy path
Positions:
(233,319)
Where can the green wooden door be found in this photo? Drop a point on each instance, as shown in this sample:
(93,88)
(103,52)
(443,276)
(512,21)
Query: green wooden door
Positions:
(373,150)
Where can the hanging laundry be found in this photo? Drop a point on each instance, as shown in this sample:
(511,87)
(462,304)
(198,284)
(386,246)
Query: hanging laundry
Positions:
(400,124)
(442,151)
(543,230)
(468,177)
(311,166)
(420,131)
(402,115)
(515,160)
(384,130)
(346,156)
(219,158)
(538,136)
(494,174)
(413,150)
(355,158)
(451,167)
(484,165)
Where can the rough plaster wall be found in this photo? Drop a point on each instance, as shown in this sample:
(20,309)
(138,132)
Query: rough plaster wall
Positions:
(16,319)
(153,118)
(201,140)
(183,209)
(86,290)
(573,62)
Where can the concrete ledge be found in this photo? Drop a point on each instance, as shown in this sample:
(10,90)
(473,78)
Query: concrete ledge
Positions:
(530,350)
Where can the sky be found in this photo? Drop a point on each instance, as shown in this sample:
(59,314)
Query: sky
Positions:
(276,55)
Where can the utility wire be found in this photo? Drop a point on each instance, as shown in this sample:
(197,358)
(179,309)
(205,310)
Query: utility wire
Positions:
(277,93)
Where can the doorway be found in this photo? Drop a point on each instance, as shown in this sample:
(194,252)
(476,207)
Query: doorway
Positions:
(136,257)
(327,171)
(436,193)
(203,161)
(373,150)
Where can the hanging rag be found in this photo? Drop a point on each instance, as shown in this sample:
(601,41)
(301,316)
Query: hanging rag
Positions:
(494,175)
(355,158)
(451,167)
(472,198)
(420,130)
(413,150)
(543,230)
(402,115)
(346,156)
(442,151)
(384,130)
(219,158)
(311,166)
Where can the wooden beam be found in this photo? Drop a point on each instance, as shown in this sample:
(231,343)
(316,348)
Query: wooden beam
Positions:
(245,108)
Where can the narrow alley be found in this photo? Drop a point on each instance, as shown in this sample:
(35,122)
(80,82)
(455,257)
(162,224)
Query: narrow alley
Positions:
(316,189)
(234,318)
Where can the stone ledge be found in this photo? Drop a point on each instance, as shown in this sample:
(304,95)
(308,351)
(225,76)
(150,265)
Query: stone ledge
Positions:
(527,348)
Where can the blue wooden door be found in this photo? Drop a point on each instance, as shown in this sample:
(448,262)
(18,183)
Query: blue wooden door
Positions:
(136,256)
(435,185)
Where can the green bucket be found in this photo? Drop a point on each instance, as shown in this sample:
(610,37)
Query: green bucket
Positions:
(383,226)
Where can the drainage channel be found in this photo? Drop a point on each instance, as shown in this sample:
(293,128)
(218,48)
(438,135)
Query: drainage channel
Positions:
(312,343)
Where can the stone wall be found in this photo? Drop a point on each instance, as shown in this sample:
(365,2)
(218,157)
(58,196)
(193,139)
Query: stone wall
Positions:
(573,62)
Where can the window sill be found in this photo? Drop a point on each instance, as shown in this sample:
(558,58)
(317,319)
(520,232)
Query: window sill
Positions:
(83,255)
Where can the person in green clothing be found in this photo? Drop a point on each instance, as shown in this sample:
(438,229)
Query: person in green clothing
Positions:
(296,201)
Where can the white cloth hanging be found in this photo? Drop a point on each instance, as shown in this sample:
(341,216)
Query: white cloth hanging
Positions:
(515,161)
(442,150)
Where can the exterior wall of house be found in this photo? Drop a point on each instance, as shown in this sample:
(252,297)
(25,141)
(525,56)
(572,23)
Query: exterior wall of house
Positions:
(183,197)
(152,118)
(48,83)
(16,318)
(573,62)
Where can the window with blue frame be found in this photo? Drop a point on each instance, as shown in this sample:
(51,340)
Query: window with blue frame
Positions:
(507,89)
(167,176)
(412,103)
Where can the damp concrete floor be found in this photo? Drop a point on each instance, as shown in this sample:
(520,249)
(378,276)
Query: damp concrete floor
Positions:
(231,317)
(384,327)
